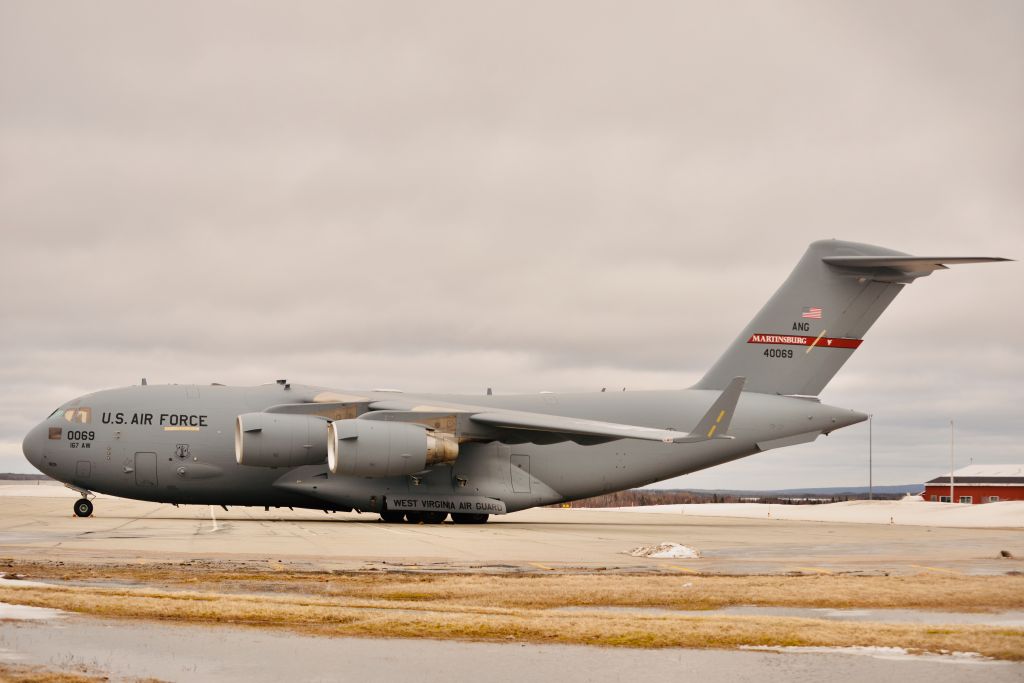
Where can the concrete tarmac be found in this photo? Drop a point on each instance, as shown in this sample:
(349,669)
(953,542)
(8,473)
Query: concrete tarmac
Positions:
(538,540)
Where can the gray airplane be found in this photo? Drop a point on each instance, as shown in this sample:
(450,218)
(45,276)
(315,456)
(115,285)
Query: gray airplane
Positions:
(423,457)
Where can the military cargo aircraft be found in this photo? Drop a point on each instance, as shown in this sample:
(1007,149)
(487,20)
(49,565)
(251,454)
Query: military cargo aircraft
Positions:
(423,457)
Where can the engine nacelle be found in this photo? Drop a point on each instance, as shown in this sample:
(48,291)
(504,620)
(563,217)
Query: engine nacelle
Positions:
(280,440)
(378,448)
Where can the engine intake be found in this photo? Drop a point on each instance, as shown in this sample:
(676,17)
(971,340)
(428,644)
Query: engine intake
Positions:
(280,440)
(376,448)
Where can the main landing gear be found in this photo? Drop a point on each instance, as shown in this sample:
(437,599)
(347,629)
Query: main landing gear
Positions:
(83,507)
(397,516)
(469,517)
(392,516)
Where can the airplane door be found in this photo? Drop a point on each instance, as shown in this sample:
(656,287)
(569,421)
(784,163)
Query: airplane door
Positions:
(145,469)
(520,473)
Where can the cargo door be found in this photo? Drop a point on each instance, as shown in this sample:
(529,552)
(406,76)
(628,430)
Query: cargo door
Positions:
(520,473)
(145,469)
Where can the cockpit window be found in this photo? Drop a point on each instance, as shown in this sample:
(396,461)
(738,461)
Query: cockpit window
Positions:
(78,415)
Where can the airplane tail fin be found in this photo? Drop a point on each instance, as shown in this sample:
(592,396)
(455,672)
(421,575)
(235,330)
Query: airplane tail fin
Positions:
(818,317)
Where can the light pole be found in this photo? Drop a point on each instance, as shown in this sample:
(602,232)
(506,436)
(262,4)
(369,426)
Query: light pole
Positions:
(871,481)
(951,500)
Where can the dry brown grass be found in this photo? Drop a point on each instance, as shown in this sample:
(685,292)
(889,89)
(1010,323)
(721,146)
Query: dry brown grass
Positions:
(525,607)
(927,591)
(17,673)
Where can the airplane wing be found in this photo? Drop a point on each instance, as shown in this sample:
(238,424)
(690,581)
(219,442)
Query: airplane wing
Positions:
(713,425)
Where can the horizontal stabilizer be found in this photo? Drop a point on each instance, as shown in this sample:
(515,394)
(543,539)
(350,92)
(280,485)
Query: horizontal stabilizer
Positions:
(906,264)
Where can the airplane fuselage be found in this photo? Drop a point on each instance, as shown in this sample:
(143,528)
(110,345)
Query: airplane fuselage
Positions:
(176,444)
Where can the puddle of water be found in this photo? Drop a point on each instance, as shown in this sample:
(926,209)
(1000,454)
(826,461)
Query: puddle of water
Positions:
(1013,619)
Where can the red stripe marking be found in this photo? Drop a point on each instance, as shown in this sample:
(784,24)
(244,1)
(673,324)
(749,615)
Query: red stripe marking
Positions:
(796,340)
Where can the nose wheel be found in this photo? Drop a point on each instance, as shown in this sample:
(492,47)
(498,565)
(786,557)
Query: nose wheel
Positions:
(83,507)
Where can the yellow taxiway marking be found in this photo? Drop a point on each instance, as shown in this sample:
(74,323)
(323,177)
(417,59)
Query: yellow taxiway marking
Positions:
(181,429)
(815,570)
(936,569)
(815,342)
(542,566)
(683,569)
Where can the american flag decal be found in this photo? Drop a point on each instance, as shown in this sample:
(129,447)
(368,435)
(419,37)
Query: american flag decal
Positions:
(811,312)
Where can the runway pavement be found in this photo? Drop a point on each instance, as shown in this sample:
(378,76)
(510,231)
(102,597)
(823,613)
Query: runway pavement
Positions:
(538,540)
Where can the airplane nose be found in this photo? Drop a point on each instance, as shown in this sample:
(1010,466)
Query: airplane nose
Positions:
(33,445)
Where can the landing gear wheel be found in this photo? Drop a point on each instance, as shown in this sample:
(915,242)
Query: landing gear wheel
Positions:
(83,507)
(392,516)
(469,517)
(434,517)
(415,517)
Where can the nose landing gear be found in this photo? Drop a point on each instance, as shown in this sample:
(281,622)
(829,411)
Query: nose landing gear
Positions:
(83,507)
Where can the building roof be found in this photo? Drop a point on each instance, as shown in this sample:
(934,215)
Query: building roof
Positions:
(983,474)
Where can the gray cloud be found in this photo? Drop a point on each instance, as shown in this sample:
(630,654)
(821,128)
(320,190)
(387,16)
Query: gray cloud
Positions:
(550,196)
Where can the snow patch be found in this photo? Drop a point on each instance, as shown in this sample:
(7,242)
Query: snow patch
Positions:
(879,652)
(25,613)
(15,581)
(911,512)
(43,489)
(666,550)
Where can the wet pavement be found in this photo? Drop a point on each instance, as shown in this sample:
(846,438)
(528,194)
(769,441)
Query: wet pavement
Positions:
(179,652)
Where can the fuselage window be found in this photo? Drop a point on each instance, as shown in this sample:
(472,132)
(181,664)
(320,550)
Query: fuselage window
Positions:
(78,415)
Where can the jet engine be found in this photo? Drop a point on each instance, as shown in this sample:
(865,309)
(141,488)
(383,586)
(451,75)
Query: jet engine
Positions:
(378,448)
(280,440)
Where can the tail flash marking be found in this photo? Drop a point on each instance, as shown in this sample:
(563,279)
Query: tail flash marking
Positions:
(816,340)
(711,432)
(721,414)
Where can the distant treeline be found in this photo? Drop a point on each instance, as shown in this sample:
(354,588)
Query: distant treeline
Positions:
(634,497)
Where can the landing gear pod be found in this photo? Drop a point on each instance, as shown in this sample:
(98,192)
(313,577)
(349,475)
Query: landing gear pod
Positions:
(375,448)
(280,440)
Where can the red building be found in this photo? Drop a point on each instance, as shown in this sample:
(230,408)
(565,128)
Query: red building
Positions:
(978,484)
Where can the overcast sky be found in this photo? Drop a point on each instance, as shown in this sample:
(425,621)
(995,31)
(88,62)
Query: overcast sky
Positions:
(563,196)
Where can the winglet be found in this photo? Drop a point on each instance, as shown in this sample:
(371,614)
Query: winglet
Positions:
(715,423)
